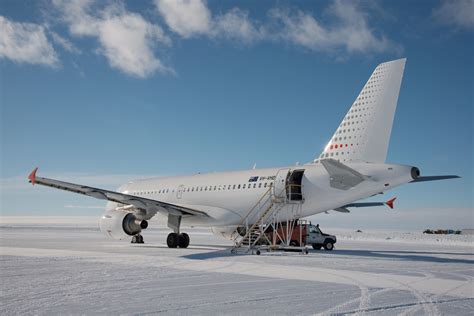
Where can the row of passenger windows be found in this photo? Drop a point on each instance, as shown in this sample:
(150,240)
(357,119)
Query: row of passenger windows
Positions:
(221,187)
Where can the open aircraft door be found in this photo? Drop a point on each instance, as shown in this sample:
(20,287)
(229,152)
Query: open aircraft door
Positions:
(279,186)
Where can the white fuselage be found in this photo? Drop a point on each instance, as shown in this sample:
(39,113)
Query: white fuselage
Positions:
(226,197)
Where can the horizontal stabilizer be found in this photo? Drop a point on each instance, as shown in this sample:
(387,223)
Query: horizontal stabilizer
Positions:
(341,176)
(342,210)
(365,204)
(435,178)
(389,203)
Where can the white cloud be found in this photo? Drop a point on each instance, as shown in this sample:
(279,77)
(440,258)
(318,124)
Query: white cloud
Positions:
(129,42)
(64,43)
(126,39)
(459,13)
(26,43)
(349,31)
(190,18)
(236,25)
(185,17)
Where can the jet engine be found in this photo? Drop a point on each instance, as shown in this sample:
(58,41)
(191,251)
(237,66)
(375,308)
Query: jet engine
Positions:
(120,225)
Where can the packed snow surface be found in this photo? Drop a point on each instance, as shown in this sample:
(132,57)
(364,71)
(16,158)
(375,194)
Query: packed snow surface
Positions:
(66,266)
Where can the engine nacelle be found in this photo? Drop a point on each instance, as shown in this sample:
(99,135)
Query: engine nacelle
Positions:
(120,225)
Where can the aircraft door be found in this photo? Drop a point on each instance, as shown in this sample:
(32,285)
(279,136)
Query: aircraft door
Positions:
(279,186)
(179,192)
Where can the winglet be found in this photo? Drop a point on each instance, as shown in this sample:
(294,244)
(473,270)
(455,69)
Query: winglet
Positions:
(32,176)
(389,203)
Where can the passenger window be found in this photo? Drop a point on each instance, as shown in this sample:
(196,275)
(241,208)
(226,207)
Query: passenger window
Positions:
(260,185)
(233,188)
(265,185)
(243,186)
(254,185)
(239,186)
(215,188)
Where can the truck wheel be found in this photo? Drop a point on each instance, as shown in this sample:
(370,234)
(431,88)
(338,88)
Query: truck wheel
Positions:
(316,246)
(328,245)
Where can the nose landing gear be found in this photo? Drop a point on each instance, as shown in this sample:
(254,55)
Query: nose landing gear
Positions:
(137,239)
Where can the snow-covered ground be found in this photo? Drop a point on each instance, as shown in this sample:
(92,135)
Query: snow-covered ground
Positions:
(66,266)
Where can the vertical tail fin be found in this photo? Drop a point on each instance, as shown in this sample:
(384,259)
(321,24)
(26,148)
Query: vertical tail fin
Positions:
(364,133)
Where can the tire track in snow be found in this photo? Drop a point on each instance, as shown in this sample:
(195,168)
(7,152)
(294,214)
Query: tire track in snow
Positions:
(389,307)
(415,309)
(425,302)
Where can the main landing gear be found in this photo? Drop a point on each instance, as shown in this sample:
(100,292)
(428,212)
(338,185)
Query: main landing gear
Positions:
(175,240)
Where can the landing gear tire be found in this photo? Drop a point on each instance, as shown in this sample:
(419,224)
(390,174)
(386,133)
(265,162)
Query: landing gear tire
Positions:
(172,240)
(183,240)
(329,245)
(137,239)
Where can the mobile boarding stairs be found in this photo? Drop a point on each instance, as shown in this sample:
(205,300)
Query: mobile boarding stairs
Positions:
(270,223)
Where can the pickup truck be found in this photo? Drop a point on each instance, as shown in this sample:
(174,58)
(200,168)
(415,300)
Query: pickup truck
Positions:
(309,234)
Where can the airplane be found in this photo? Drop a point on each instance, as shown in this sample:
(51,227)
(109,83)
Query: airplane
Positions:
(351,167)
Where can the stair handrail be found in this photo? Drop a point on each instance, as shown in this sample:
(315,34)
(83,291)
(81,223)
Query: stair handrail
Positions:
(253,208)
(249,231)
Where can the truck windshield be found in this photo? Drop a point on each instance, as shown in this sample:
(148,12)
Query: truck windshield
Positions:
(314,229)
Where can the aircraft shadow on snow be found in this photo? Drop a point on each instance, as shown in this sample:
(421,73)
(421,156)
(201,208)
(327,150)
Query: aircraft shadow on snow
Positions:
(381,254)
(404,255)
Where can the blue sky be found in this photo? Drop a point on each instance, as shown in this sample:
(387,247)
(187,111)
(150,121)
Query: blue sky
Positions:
(102,92)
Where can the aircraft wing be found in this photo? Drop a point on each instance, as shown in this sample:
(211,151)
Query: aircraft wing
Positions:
(341,176)
(147,206)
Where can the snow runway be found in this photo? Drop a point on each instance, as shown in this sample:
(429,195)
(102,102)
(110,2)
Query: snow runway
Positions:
(74,269)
